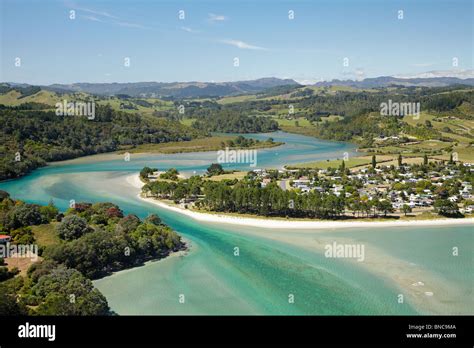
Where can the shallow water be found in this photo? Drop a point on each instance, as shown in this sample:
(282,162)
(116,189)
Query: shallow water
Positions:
(273,266)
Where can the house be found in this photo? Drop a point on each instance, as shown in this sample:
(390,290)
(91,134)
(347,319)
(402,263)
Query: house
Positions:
(154,176)
(337,190)
(397,205)
(4,239)
(469,209)
(305,189)
(465,193)
(382,188)
(184,203)
(266,181)
(300,183)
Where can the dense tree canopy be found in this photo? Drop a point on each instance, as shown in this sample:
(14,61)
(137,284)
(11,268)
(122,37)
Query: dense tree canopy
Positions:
(65,291)
(228,122)
(30,138)
(96,239)
(72,227)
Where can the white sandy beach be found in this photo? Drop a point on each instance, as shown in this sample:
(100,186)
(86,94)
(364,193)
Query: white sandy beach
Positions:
(428,291)
(135,181)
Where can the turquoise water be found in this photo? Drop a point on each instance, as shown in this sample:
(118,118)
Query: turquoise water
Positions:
(273,266)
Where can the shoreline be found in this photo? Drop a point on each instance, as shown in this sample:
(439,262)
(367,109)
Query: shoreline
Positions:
(135,181)
(116,154)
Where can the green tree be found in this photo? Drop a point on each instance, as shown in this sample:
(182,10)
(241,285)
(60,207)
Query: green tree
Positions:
(215,169)
(23,235)
(128,224)
(49,212)
(3,195)
(72,227)
(385,207)
(451,158)
(24,215)
(147,171)
(446,208)
(153,219)
(67,292)
(170,174)
(405,208)
(9,304)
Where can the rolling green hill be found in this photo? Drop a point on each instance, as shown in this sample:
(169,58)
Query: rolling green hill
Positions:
(344,113)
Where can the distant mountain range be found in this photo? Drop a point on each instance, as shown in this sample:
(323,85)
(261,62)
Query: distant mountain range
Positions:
(175,89)
(386,81)
(179,90)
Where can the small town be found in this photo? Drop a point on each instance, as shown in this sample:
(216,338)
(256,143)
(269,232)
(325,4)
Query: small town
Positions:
(421,190)
(408,188)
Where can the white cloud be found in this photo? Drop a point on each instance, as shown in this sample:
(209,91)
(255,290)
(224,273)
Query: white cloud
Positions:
(103,17)
(97,13)
(92,18)
(459,73)
(242,45)
(189,30)
(307,82)
(216,18)
(357,74)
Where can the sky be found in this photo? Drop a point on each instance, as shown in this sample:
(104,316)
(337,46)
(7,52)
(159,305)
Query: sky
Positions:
(43,42)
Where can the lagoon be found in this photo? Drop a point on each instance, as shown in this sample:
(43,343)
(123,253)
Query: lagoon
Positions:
(277,272)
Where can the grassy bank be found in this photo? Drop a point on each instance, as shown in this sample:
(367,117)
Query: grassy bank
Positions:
(196,145)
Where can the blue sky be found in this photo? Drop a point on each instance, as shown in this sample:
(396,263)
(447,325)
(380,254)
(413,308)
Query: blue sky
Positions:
(161,47)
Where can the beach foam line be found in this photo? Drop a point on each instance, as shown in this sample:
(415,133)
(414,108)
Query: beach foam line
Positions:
(135,181)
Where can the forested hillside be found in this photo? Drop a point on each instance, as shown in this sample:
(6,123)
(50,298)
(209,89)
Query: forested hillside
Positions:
(228,122)
(341,114)
(32,134)
(86,242)
(30,138)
